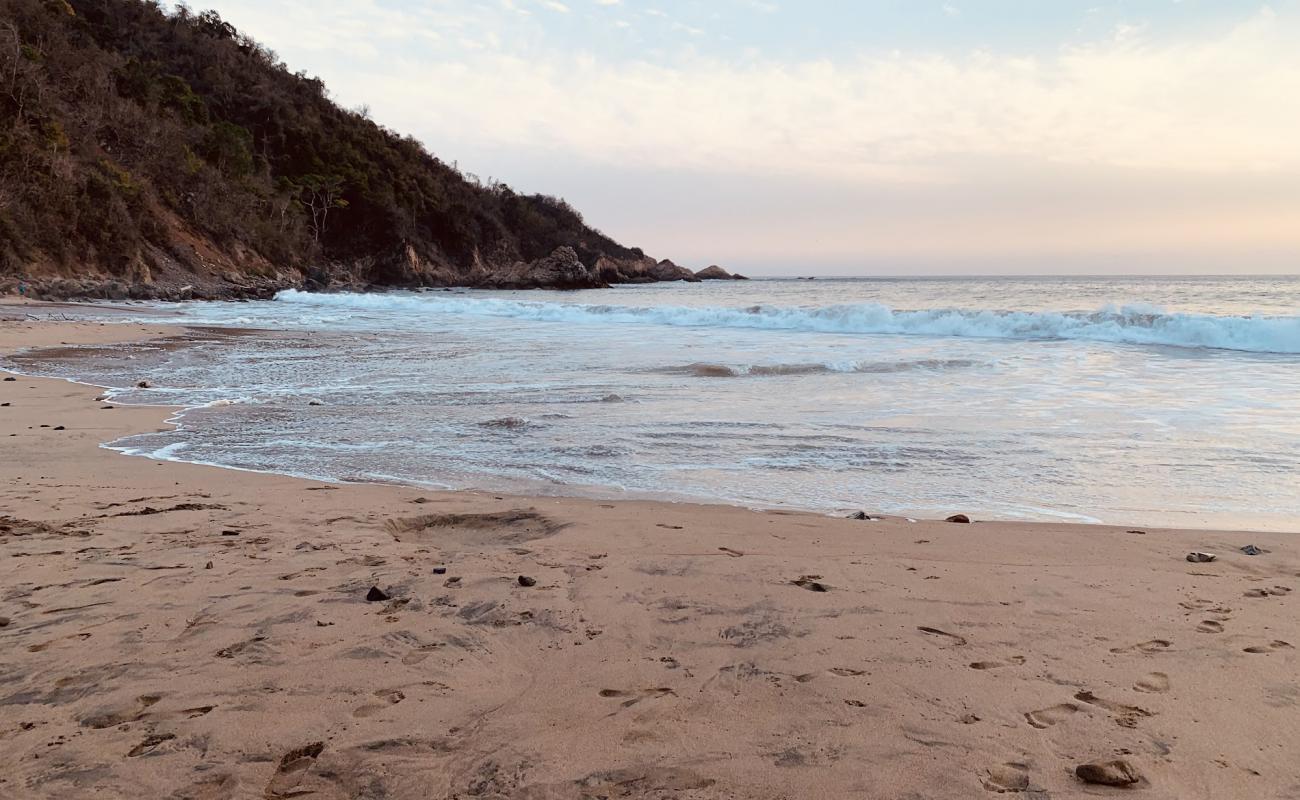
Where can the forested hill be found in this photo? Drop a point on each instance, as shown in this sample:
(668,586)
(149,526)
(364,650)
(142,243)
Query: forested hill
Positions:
(149,153)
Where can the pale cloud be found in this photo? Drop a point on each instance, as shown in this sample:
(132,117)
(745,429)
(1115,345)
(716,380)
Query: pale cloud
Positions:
(1182,148)
(1218,104)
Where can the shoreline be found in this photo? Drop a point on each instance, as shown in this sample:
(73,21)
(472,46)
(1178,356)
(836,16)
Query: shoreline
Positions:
(178,334)
(183,630)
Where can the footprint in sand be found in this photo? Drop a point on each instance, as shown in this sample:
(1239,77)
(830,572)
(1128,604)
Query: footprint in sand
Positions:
(1276,591)
(1148,647)
(150,743)
(952,639)
(845,672)
(1270,647)
(1006,778)
(1047,717)
(292,769)
(1210,626)
(1014,661)
(1153,683)
(1125,716)
(391,697)
(109,719)
(631,698)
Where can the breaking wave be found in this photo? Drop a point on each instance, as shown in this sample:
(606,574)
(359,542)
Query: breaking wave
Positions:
(1139,325)
(710,370)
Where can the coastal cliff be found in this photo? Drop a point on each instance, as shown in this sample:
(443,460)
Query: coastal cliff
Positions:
(155,155)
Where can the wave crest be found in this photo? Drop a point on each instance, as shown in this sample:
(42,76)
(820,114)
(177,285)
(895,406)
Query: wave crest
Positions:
(710,370)
(1139,325)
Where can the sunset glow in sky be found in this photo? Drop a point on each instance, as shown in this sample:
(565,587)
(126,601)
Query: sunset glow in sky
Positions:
(887,137)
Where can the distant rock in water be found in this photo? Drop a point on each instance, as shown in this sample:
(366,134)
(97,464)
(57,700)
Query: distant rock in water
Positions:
(716,273)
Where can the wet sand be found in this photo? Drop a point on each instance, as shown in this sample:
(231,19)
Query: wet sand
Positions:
(183,631)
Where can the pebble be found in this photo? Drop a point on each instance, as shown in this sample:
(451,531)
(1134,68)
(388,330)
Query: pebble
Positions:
(376,595)
(439,570)
(960,518)
(4,622)
(525,581)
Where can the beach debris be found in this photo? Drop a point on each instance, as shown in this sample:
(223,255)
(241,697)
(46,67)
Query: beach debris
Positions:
(1108,773)
(1138,533)
(143,385)
(452,582)
(208,565)
(526,581)
(10,379)
(58,428)
(439,570)
(229,533)
(1197,557)
(376,595)
(861,515)
(315,403)
(4,622)
(1252,550)
(5,405)
(959,518)
(812,583)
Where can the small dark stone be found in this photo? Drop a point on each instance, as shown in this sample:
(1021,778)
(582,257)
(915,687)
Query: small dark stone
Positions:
(1108,773)
(208,565)
(959,518)
(142,385)
(524,580)
(376,595)
(439,570)
(230,533)
(862,515)
(59,428)
(315,403)
(10,379)
(811,583)
(4,622)
(4,405)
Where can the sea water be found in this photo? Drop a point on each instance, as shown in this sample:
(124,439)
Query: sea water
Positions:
(1153,401)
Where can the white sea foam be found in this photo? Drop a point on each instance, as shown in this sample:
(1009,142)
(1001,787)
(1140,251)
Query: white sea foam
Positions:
(1138,325)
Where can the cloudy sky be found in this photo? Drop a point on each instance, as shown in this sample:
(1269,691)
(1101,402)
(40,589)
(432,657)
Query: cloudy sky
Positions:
(836,137)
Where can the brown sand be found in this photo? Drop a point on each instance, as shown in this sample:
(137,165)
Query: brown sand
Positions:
(188,632)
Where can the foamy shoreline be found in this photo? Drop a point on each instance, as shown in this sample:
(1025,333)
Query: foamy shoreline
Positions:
(664,650)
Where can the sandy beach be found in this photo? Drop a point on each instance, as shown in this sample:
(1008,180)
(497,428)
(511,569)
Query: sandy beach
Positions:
(182,631)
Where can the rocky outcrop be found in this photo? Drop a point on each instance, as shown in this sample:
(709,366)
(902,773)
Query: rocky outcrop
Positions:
(716,273)
(560,270)
(668,271)
(640,270)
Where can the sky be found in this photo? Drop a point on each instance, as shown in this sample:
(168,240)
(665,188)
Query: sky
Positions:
(876,137)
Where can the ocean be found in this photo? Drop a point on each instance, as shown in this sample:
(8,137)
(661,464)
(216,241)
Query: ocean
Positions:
(1147,401)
